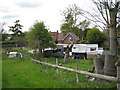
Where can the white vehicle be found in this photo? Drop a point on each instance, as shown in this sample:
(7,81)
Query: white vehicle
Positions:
(83,48)
(13,54)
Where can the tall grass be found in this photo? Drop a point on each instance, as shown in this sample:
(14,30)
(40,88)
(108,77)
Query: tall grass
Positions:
(26,74)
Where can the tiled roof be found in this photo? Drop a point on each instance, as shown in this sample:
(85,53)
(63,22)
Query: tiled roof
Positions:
(62,36)
(54,35)
(73,35)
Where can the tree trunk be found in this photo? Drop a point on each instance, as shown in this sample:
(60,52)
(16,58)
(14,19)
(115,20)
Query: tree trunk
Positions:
(39,54)
(113,34)
(109,67)
(99,64)
(67,52)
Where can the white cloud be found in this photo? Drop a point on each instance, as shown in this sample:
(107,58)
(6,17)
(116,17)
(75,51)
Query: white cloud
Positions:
(28,5)
(9,16)
(27,11)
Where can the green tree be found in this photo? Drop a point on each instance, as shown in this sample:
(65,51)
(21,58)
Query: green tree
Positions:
(21,41)
(4,37)
(95,36)
(39,38)
(16,29)
(71,21)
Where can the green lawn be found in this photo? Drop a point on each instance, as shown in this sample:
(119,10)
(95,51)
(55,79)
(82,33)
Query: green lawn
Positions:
(27,74)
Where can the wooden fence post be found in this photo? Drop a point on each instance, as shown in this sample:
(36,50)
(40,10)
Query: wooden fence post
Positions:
(47,66)
(14,59)
(41,65)
(27,56)
(118,76)
(31,59)
(57,65)
(77,74)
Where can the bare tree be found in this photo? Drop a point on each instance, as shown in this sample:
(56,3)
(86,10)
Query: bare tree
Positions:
(1,27)
(106,13)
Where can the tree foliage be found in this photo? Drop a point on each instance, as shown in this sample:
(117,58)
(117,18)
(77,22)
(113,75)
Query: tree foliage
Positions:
(71,21)
(95,36)
(20,41)
(16,29)
(38,37)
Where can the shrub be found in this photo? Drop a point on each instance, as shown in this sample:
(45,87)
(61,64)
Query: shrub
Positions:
(83,42)
(56,55)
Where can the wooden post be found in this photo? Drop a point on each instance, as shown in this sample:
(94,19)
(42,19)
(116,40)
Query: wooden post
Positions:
(57,65)
(84,57)
(31,60)
(41,65)
(118,76)
(47,66)
(27,56)
(15,59)
(77,74)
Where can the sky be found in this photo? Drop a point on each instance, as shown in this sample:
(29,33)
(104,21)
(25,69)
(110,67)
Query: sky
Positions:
(28,11)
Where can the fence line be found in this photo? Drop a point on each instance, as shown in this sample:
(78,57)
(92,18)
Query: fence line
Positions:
(110,78)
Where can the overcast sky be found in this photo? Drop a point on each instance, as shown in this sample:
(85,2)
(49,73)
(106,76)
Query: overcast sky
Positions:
(28,11)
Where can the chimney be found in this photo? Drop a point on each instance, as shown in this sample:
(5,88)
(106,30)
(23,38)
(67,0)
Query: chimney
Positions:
(57,31)
(57,35)
(64,33)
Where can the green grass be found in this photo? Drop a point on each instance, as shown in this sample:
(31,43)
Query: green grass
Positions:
(27,74)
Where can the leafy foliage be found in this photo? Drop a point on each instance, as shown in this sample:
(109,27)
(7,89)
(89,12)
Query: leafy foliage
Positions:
(95,36)
(38,37)
(71,21)
(16,29)
(4,36)
(20,41)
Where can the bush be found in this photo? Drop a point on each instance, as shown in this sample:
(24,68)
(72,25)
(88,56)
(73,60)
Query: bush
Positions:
(56,55)
(83,42)
(95,36)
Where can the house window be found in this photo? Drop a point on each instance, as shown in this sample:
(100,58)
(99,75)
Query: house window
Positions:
(70,39)
(92,49)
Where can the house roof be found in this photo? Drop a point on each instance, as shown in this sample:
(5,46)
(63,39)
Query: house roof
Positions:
(73,35)
(77,38)
(10,38)
(54,35)
(62,36)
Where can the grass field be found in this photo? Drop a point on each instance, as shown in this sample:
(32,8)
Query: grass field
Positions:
(27,74)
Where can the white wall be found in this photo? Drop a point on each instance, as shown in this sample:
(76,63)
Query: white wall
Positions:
(83,48)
